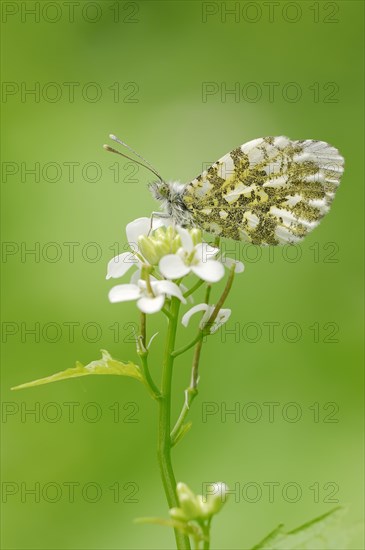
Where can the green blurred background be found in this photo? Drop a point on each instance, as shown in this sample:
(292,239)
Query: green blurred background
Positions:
(157,56)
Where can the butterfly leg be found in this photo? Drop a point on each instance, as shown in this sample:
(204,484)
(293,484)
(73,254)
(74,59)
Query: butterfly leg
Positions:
(155,215)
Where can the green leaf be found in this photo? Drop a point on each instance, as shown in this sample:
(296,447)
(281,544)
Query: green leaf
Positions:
(322,533)
(105,365)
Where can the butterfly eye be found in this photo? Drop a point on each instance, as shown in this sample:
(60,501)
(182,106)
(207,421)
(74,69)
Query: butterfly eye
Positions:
(163,190)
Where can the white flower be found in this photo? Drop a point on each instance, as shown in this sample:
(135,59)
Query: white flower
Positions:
(222,317)
(146,301)
(214,499)
(198,259)
(197,507)
(120,264)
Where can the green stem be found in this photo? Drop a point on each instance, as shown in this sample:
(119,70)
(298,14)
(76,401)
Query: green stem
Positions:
(167,313)
(187,347)
(142,329)
(143,353)
(206,531)
(193,288)
(223,297)
(190,394)
(164,440)
(192,391)
(151,386)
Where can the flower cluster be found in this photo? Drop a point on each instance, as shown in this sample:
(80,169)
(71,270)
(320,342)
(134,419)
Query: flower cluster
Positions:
(163,256)
(196,507)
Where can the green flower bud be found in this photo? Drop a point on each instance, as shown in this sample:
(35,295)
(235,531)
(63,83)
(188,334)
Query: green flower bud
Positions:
(160,233)
(178,514)
(170,232)
(162,247)
(148,249)
(188,502)
(196,235)
(176,244)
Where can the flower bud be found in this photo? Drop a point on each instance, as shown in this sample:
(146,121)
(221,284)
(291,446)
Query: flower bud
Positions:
(196,235)
(188,502)
(170,232)
(178,514)
(176,244)
(160,233)
(148,249)
(162,247)
(215,498)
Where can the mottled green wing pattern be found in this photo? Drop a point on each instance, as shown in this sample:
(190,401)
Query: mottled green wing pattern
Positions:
(268,191)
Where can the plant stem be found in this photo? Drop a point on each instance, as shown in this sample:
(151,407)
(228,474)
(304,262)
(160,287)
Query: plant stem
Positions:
(164,440)
(193,288)
(151,386)
(192,391)
(142,329)
(187,347)
(206,531)
(143,353)
(224,295)
(166,312)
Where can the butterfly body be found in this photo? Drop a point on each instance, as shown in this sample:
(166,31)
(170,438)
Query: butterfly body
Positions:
(170,194)
(268,191)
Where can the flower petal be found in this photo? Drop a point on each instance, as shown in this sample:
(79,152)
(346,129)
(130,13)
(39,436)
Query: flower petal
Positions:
(205,252)
(124,293)
(186,240)
(142,283)
(199,307)
(204,320)
(120,265)
(134,229)
(141,226)
(210,271)
(151,305)
(135,277)
(172,267)
(222,317)
(169,288)
(229,262)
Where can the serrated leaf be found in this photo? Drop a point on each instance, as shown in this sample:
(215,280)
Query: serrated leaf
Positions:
(105,365)
(322,533)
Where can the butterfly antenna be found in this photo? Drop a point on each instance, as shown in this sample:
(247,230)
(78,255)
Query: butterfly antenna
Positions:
(146,163)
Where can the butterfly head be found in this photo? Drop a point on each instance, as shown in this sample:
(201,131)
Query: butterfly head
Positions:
(161,190)
(170,195)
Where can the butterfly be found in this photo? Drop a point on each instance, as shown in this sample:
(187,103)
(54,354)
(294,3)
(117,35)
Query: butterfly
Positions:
(268,191)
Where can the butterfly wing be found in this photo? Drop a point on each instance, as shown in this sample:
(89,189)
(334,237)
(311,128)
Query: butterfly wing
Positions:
(268,191)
